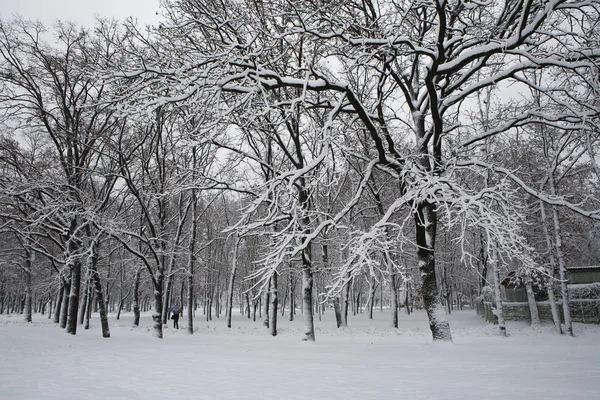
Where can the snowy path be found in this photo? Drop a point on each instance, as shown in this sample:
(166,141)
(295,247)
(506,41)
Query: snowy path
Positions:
(368,361)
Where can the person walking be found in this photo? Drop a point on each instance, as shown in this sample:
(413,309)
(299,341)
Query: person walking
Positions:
(175,317)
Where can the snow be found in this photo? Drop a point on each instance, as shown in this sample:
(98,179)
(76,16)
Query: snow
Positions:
(367,360)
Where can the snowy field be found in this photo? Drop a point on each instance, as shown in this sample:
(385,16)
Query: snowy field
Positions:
(368,360)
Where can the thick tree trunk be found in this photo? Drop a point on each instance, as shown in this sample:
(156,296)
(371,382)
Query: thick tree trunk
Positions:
(99,295)
(533,310)
(157,312)
(28,289)
(136,296)
(273,306)
(265,305)
(88,311)
(345,303)
(64,308)
(373,290)
(166,298)
(59,299)
(74,297)
(84,301)
(498,296)
(338,311)
(426,220)
(101,303)
(307,286)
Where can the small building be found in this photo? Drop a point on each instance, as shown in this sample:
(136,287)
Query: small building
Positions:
(583,274)
(514,289)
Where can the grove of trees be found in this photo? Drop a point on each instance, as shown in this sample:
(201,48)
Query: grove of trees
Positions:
(282,156)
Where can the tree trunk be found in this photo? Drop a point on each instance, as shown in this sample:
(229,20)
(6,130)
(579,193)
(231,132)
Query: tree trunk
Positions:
(248,304)
(338,311)
(99,294)
(550,286)
(307,286)
(345,303)
(166,298)
(84,300)
(292,298)
(284,302)
(265,305)
(426,220)
(65,304)
(373,290)
(562,268)
(157,312)
(181,287)
(273,305)
(88,312)
(74,297)
(499,312)
(393,279)
(232,281)
(136,296)
(28,289)
(59,299)
(533,310)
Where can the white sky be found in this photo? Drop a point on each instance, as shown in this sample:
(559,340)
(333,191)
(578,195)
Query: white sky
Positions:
(80,11)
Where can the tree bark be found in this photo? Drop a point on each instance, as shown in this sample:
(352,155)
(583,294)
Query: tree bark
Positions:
(136,296)
(101,304)
(307,286)
(550,286)
(499,311)
(292,298)
(533,310)
(192,256)
(345,303)
(74,294)
(338,311)
(28,290)
(88,312)
(65,304)
(426,220)
(84,301)
(157,312)
(265,305)
(59,299)
(99,293)
(166,298)
(232,281)
(562,268)
(273,305)
(393,279)
(373,290)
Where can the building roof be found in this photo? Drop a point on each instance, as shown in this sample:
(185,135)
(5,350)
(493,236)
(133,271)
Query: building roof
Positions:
(585,267)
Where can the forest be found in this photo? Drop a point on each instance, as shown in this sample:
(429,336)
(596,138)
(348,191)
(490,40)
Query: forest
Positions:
(286,159)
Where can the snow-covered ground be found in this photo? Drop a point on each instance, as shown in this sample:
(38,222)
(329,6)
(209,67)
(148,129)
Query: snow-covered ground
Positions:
(368,360)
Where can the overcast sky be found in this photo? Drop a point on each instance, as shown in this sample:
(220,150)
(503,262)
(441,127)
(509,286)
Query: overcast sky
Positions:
(80,11)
